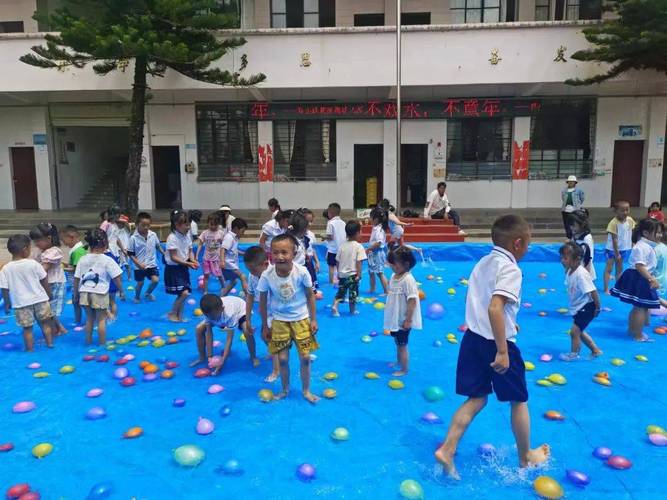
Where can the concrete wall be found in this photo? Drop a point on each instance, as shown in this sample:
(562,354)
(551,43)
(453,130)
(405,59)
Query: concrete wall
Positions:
(19,10)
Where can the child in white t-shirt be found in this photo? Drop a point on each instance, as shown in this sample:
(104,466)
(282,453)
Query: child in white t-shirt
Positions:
(377,248)
(584,300)
(25,287)
(123,244)
(335,237)
(178,261)
(274,227)
(312,260)
(350,256)
(229,257)
(142,249)
(94,274)
(619,241)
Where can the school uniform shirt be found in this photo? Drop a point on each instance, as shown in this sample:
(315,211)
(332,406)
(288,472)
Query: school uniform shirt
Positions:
(179,242)
(400,291)
(661,266)
(586,242)
(252,287)
(230,242)
(95,271)
(76,252)
(54,256)
(300,254)
(643,253)
(234,310)
(495,274)
(144,249)
(113,233)
(310,251)
(378,235)
(271,229)
(623,232)
(22,279)
(335,229)
(212,240)
(287,296)
(194,230)
(579,288)
(347,257)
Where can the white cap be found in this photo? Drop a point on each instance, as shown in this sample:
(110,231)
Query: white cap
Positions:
(572,178)
(225,208)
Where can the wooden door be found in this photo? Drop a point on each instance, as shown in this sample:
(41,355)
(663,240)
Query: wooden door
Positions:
(24,178)
(626,181)
(167,176)
(367,165)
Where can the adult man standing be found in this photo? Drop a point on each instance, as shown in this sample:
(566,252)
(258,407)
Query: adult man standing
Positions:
(438,206)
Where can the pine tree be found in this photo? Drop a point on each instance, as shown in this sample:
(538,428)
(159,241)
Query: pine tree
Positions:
(156,35)
(636,38)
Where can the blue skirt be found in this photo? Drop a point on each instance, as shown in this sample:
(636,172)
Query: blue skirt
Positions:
(634,289)
(377,259)
(176,279)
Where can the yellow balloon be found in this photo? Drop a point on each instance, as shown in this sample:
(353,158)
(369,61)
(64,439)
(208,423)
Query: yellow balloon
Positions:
(544,382)
(602,381)
(265,395)
(158,343)
(143,343)
(451,291)
(171,334)
(379,306)
(557,378)
(372,376)
(131,338)
(40,374)
(181,332)
(198,312)
(396,384)
(529,366)
(329,393)
(617,362)
(42,449)
(111,347)
(548,487)
(655,429)
(67,369)
(330,376)
(451,336)
(452,340)
(122,341)
(242,337)
(641,357)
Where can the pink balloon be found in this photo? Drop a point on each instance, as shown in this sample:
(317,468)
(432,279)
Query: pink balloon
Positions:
(619,462)
(24,407)
(215,361)
(204,426)
(217,343)
(215,389)
(129,357)
(658,439)
(545,358)
(78,328)
(34,366)
(93,393)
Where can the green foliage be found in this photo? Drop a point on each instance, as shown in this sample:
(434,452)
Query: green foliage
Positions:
(635,39)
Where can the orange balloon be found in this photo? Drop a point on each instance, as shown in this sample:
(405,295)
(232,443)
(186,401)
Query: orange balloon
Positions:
(133,432)
(151,368)
(172,340)
(602,375)
(422,295)
(660,330)
(143,364)
(167,374)
(146,334)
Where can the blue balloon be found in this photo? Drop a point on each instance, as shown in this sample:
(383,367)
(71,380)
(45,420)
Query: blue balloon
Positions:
(231,467)
(100,490)
(602,452)
(487,450)
(178,402)
(577,477)
(225,411)
(96,413)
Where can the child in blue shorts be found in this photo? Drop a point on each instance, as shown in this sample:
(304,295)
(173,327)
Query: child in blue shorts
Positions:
(619,241)
(489,360)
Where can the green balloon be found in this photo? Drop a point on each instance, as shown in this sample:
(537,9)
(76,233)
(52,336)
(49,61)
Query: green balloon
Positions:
(411,490)
(189,455)
(434,393)
(340,434)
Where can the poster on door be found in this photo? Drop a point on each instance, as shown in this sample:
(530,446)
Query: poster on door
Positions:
(520,157)
(265,161)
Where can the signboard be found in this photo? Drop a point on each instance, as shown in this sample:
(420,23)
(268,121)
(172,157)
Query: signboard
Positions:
(39,139)
(629,130)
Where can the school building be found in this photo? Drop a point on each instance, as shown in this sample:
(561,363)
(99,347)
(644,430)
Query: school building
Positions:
(484,108)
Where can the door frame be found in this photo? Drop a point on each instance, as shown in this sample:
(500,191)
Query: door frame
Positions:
(11,173)
(642,170)
(404,170)
(166,140)
(380,170)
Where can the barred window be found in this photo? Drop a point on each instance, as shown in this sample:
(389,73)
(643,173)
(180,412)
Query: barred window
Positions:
(479,148)
(542,10)
(561,140)
(304,150)
(482,11)
(226,143)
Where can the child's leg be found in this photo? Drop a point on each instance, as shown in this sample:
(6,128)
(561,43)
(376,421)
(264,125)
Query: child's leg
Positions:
(176,313)
(619,269)
(521,430)
(101,318)
(647,318)
(200,337)
(137,291)
(151,288)
(590,343)
(304,359)
(275,370)
(228,287)
(607,274)
(402,356)
(90,317)
(206,282)
(28,340)
(460,422)
(636,322)
(113,307)
(575,339)
(47,331)
(331,274)
(372,280)
(77,313)
(283,360)
(384,282)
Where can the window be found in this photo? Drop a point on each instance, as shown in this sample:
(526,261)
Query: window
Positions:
(303,13)
(479,148)
(11,27)
(542,10)
(226,143)
(231,8)
(482,11)
(561,140)
(415,18)
(369,19)
(304,150)
(573,10)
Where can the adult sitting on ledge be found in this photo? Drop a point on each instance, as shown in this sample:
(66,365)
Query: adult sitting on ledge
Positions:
(438,206)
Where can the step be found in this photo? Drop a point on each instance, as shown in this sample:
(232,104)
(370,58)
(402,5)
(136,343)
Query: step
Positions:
(433,238)
(427,229)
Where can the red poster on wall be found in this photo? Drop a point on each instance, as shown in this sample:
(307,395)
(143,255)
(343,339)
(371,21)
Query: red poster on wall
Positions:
(265,163)
(520,158)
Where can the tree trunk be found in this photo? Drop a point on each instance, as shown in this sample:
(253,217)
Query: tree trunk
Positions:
(137,119)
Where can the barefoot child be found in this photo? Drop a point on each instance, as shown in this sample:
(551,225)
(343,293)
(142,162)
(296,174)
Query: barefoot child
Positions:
(210,240)
(25,287)
(256,261)
(489,360)
(226,313)
(141,249)
(312,260)
(229,257)
(619,241)
(72,239)
(350,256)
(403,310)
(584,300)
(178,262)
(637,286)
(93,276)
(293,309)
(377,248)
(335,237)
(123,242)
(581,235)
(276,226)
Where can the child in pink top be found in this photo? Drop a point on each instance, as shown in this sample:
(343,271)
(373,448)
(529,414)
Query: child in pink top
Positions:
(211,240)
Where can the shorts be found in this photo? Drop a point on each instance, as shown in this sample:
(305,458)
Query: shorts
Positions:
(96,301)
(212,267)
(230,274)
(331,259)
(475,378)
(348,284)
(25,316)
(584,316)
(401,337)
(58,298)
(609,254)
(149,272)
(176,279)
(283,333)
(377,260)
(239,325)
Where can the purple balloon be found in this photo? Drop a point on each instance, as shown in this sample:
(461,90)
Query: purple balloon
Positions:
(658,439)
(373,333)
(602,452)
(486,450)
(178,403)
(435,311)
(120,373)
(305,472)
(150,377)
(431,418)
(577,477)
(204,426)
(96,413)
(24,407)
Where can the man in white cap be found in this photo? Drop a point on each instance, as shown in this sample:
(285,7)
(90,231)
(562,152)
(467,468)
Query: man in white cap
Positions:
(572,200)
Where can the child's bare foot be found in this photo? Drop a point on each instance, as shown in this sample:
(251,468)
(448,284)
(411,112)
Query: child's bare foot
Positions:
(280,395)
(271,377)
(335,313)
(174,318)
(255,362)
(150,297)
(596,354)
(399,373)
(537,456)
(310,397)
(111,317)
(136,300)
(447,461)
(196,362)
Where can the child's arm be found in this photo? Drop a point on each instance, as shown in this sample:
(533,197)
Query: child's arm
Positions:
(119,285)
(75,290)
(134,259)
(228,347)
(641,269)
(192,262)
(310,296)
(358,269)
(249,303)
(262,239)
(316,261)
(497,319)
(596,300)
(266,334)
(222,257)
(5,296)
(397,221)
(614,243)
(412,305)
(244,282)
(200,247)
(46,287)
(173,254)
(159,248)
(46,266)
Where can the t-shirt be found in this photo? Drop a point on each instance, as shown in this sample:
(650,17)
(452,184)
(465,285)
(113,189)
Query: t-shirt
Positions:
(435,203)
(76,252)
(213,242)
(287,295)
(144,249)
(230,243)
(378,235)
(400,291)
(495,274)
(113,233)
(271,229)
(336,229)
(22,279)
(623,231)
(194,229)
(179,242)
(579,287)
(643,253)
(310,251)
(95,271)
(347,257)
(586,243)
(54,256)
(300,254)
(395,229)
(661,266)
(233,311)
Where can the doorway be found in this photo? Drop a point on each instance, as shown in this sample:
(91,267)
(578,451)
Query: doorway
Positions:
(24,178)
(367,174)
(167,176)
(414,160)
(626,181)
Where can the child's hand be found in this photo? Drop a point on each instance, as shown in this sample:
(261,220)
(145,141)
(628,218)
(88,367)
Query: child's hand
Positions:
(502,363)
(619,259)
(317,267)
(407,324)
(654,283)
(266,334)
(314,327)
(248,329)
(194,265)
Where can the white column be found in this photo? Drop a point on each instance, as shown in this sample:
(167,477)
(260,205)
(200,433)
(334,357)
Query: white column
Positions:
(520,145)
(389,160)
(146,201)
(655,150)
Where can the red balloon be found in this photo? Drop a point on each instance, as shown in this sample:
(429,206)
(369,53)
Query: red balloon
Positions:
(31,495)
(6,447)
(619,462)
(88,357)
(17,490)
(202,372)
(128,381)
(103,358)
(171,365)
(121,362)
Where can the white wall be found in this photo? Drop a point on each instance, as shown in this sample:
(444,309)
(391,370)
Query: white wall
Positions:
(19,10)
(655,149)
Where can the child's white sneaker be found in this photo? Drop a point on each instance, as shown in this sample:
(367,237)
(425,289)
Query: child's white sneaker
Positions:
(569,356)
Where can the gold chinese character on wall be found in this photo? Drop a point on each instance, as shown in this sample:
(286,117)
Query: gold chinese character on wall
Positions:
(495,57)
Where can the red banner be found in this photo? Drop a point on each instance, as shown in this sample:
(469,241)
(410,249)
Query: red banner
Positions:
(520,158)
(265,163)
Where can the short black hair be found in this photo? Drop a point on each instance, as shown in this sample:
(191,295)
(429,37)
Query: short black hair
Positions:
(45,230)
(298,223)
(442,184)
(352,228)
(193,215)
(404,256)
(144,215)
(283,214)
(507,228)
(285,237)
(273,204)
(571,248)
(254,255)
(209,303)
(96,238)
(239,223)
(335,208)
(306,211)
(17,243)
